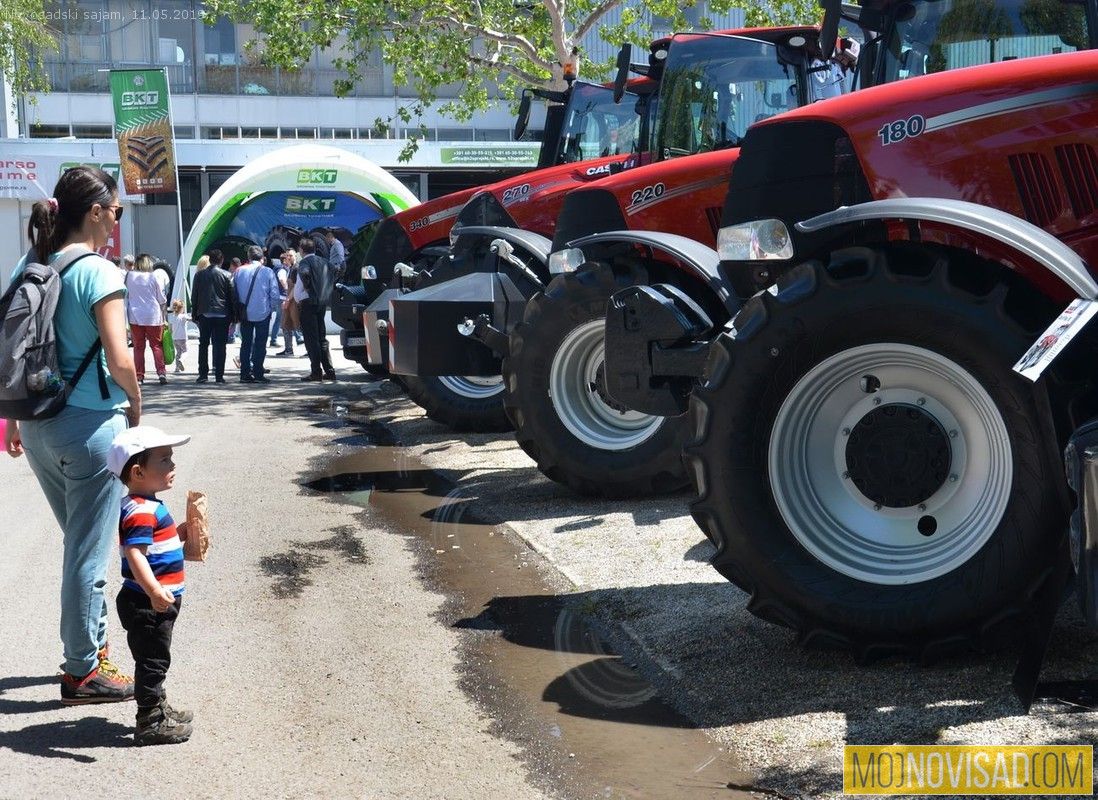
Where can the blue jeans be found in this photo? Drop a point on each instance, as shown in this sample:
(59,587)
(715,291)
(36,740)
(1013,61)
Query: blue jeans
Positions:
(68,454)
(276,323)
(253,347)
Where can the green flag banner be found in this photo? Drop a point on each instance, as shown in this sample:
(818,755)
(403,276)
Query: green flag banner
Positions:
(143,127)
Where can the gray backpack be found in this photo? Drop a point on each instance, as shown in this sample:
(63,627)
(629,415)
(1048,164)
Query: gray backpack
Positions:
(31,384)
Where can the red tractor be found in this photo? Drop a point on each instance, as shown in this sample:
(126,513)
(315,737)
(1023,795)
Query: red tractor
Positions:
(713,87)
(870,467)
(418,236)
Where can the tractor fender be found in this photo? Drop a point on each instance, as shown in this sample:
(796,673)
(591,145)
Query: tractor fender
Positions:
(533,243)
(695,257)
(1016,234)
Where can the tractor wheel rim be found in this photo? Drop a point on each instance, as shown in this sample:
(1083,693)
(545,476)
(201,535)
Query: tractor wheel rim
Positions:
(868,525)
(474,387)
(574,390)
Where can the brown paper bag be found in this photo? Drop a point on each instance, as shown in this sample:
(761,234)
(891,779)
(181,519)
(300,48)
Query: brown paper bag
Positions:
(198,528)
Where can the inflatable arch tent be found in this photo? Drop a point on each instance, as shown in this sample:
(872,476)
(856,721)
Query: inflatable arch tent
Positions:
(303,187)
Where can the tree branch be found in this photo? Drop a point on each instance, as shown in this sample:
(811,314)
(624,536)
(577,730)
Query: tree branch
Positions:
(520,43)
(593,19)
(556,27)
(510,69)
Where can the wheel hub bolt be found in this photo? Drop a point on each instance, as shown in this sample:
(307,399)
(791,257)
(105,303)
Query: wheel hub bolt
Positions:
(846,476)
(921,401)
(876,401)
(953,434)
(922,506)
(876,506)
(774,352)
(952,478)
(846,431)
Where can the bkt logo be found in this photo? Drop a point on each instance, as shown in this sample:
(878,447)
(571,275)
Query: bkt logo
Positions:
(316,176)
(310,205)
(140,99)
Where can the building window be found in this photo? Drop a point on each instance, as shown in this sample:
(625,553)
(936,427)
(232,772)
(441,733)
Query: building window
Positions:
(220,42)
(455,134)
(305,133)
(184,131)
(49,131)
(220,132)
(493,135)
(268,133)
(92,131)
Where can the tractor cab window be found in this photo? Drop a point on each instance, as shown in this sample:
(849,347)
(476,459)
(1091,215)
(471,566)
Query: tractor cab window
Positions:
(594,125)
(929,37)
(715,87)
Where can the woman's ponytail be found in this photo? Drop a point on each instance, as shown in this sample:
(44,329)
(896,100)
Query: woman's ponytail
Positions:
(42,229)
(52,221)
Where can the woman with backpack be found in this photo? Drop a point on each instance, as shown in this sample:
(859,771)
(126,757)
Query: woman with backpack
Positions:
(68,451)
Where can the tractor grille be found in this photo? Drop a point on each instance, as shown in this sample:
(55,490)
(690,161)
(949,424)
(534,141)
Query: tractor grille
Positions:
(1079,166)
(1036,187)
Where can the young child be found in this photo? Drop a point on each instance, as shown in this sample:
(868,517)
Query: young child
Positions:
(179,319)
(152,573)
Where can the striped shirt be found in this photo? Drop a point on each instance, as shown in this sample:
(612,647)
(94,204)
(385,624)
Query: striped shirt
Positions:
(146,521)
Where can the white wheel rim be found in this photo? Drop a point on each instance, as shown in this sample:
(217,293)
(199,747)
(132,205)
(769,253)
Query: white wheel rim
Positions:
(474,387)
(810,458)
(573,378)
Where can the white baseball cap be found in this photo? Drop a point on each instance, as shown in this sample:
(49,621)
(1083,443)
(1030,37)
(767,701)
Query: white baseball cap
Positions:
(137,440)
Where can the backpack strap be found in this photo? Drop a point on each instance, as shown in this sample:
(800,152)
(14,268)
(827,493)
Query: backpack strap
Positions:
(93,353)
(66,262)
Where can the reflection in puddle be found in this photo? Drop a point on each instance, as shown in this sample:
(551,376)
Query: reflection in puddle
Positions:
(546,676)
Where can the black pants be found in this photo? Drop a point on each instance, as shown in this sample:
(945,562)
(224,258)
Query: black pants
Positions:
(215,329)
(316,339)
(149,635)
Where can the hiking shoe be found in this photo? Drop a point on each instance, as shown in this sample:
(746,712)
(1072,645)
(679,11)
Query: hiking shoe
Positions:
(96,687)
(163,380)
(178,714)
(156,726)
(330,376)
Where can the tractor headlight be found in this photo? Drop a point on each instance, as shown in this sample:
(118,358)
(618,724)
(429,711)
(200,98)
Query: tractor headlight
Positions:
(568,260)
(761,240)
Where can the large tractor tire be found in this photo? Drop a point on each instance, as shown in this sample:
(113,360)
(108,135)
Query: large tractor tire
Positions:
(868,466)
(556,397)
(463,403)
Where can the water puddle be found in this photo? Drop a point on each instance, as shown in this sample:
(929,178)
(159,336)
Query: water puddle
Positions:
(586,720)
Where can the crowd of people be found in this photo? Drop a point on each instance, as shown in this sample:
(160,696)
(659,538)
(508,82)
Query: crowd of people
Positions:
(262,299)
(252,301)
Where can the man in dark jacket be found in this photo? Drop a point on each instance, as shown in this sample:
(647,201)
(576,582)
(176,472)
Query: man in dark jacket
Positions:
(211,293)
(316,281)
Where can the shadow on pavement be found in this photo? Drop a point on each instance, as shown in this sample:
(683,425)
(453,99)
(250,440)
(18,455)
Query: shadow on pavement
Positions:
(10,705)
(57,739)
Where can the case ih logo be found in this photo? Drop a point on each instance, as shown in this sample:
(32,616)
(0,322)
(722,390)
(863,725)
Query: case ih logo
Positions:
(310,205)
(140,99)
(323,176)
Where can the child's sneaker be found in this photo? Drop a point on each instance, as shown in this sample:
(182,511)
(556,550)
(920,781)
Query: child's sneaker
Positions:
(95,687)
(156,726)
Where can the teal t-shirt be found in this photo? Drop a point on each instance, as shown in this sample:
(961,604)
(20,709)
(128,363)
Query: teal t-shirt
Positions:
(85,284)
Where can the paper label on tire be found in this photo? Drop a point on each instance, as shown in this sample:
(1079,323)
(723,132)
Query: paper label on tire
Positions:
(1055,338)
